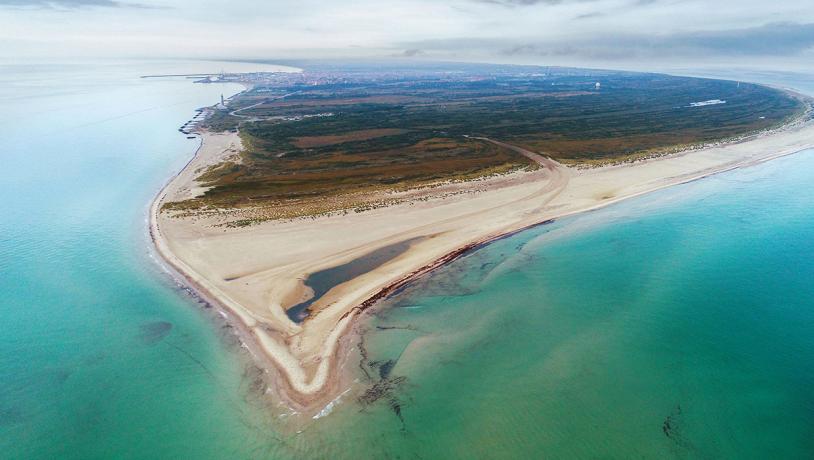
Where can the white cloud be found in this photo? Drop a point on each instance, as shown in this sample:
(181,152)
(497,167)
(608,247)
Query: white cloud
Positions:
(540,31)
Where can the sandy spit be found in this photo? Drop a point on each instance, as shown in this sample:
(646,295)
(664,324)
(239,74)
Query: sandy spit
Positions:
(255,272)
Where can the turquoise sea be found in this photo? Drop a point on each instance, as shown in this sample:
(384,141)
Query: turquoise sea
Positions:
(101,356)
(675,325)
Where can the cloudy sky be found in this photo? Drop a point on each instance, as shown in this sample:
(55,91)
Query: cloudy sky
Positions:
(611,33)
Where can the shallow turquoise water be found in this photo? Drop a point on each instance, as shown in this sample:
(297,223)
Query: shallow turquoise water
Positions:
(100,356)
(675,325)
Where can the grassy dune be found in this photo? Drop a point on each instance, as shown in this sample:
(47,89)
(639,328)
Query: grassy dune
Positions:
(350,137)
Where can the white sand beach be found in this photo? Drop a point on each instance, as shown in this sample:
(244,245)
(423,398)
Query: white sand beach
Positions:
(257,272)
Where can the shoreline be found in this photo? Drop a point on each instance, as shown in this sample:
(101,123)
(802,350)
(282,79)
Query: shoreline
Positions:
(276,382)
(288,376)
(176,273)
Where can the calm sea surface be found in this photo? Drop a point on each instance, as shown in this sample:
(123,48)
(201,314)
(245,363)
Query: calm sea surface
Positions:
(676,325)
(100,355)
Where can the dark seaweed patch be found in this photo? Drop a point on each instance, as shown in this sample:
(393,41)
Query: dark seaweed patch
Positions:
(408,327)
(153,332)
(385,368)
(672,427)
(383,389)
(386,388)
(363,354)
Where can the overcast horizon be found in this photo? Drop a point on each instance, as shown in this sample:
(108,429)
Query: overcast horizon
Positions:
(634,34)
